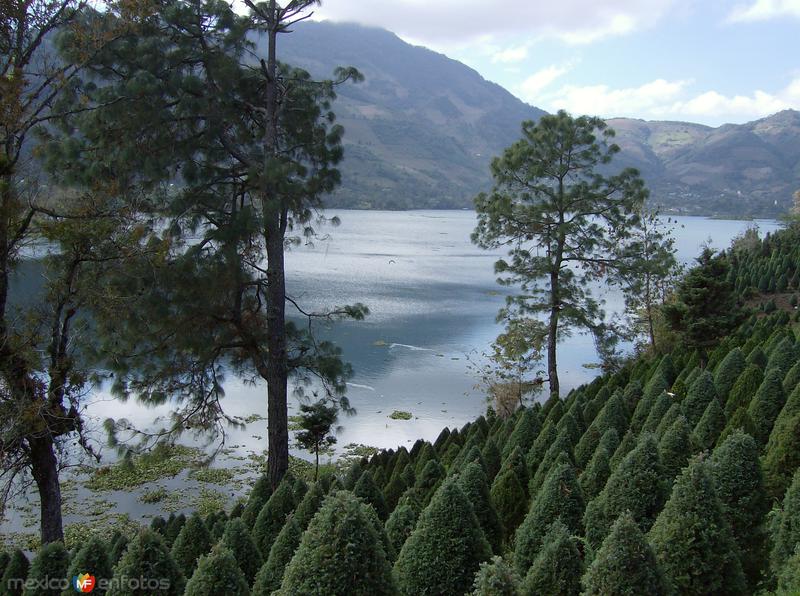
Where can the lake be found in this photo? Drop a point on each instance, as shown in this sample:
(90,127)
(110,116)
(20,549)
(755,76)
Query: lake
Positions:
(433,298)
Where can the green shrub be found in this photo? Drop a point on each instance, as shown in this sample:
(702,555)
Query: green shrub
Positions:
(339,554)
(147,556)
(727,372)
(710,426)
(637,485)
(368,491)
(217,573)
(700,394)
(239,541)
(782,453)
(786,526)
(446,548)
(47,570)
(273,516)
(92,557)
(429,479)
(559,566)
(509,499)
(560,499)
(625,565)
(193,541)
(270,575)
(400,524)
(766,405)
(744,389)
(472,481)
(16,569)
(739,484)
(310,504)
(673,448)
(692,539)
(118,548)
(491,457)
(789,579)
(496,578)
(259,495)
(525,432)
(594,477)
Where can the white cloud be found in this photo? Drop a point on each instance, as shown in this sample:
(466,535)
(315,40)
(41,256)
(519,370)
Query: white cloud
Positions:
(448,22)
(601,100)
(530,89)
(662,99)
(762,10)
(510,55)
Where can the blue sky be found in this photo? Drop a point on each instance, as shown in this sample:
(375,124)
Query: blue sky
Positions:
(711,61)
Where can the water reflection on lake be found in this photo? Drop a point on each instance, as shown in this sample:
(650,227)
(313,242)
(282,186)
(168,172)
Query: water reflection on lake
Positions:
(433,300)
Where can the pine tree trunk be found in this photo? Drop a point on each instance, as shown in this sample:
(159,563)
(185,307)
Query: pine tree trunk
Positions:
(44,468)
(552,336)
(274,231)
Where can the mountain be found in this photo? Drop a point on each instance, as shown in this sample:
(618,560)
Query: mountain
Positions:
(420,130)
(747,169)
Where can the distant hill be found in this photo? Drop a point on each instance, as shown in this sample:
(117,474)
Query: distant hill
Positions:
(422,129)
(747,169)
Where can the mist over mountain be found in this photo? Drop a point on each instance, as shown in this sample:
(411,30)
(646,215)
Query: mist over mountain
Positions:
(422,129)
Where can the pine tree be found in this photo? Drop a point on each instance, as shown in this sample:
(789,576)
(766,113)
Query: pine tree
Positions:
(558,567)
(339,554)
(701,392)
(259,495)
(4,559)
(429,479)
(786,526)
(270,575)
(782,453)
(353,474)
(612,416)
(273,515)
(509,499)
(739,485)
(400,524)
(766,405)
(744,389)
(708,429)
(540,446)
(692,539)
(625,447)
(757,358)
(491,456)
(792,379)
(146,557)
(706,306)
(92,557)
(727,372)
(496,578)
(217,573)
(368,491)
(673,448)
(15,573)
(657,412)
(51,563)
(637,485)
(239,541)
(309,505)
(594,477)
(446,548)
(118,549)
(560,499)
(668,419)
(625,565)
(193,541)
(789,579)
(426,454)
(524,433)
(472,481)
(782,357)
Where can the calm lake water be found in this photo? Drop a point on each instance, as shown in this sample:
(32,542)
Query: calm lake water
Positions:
(433,298)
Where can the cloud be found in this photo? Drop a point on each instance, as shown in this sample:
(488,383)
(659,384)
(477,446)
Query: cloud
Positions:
(673,100)
(601,100)
(531,88)
(762,10)
(449,22)
(510,55)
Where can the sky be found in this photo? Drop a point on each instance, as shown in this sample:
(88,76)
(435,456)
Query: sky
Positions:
(707,61)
